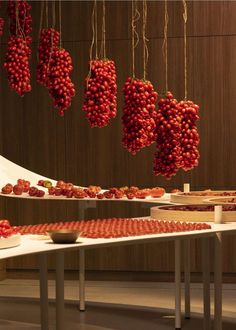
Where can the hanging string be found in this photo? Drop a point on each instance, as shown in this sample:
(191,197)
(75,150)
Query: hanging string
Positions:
(19,30)
(185,17)
(96,28)
(93,31)
(103,39)
(47,13)
(165,44)
(135,18)
(41,17)
(145,40)
(53,14)
(60,23)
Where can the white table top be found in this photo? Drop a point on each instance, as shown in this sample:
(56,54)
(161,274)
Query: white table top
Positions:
(33,246)
(11,172)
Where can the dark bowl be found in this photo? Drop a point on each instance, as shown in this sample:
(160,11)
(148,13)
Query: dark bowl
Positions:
(64,235)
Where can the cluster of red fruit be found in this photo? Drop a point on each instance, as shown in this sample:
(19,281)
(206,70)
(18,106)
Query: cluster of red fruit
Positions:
(190,137)
(48,41)
(18,46)
(21,20)
(54,68)
(22,186)
(177,136)
(69,190)
(100,93)
(167,156)
(6,229)
(115,227)
(139,114)
(1,26)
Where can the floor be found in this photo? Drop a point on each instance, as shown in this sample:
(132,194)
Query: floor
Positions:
(110,306)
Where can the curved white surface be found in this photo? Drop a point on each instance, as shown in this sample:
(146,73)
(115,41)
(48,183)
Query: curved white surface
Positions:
(10,241)
(11,172)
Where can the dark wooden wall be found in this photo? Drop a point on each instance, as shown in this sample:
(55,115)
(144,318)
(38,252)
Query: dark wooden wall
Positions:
(34,136)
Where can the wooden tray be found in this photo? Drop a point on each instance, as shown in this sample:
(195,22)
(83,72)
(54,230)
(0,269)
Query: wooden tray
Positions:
(182,198)
(170,213)
(221,201)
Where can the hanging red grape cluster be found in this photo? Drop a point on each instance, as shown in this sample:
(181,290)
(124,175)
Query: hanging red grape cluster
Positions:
(48,41)
(177,136)
(190,137)
(53,69)
(60,86)
(167,157)
(1,24)
(139,114)
(100,93)
(18,47)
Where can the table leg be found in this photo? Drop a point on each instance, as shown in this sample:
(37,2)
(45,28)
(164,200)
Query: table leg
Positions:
(218,283)
(187,277)
(60,290)
(206,284)
(177,285)
(43,273)
(81,280)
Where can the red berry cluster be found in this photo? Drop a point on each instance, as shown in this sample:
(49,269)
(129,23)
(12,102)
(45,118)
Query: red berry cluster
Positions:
(177,136)
(167,157)
(19,14)
(48,41)
(54,68)
(6,229)
(100,93)
(60,86)
(18,47)
(1,26)
(115,227)
(190,137)
(139,114)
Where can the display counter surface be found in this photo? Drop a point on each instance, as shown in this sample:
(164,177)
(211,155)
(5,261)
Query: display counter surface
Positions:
(30,245)
(11,172)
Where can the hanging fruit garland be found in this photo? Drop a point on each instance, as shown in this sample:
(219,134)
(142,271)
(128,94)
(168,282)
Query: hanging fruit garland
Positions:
(18,46)
(55,65)
(1,25)
(190,114)
(177,136)
(168,124)
(139,113)
(100,92)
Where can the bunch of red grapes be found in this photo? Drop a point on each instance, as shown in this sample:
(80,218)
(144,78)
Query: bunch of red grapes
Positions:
(18,46)
(177,136)
(100,93)
(54,68)
(190,137)
(167,157)
(1,26)
(139,115)
(48,41)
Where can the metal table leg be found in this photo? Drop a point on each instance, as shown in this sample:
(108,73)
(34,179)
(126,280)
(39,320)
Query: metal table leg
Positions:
(187,277)
(43,291)
(177,285)
(81,280)
(218,283)
(206,284)
(60,290)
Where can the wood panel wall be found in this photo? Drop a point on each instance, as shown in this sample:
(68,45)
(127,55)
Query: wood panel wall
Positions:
(34,136)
